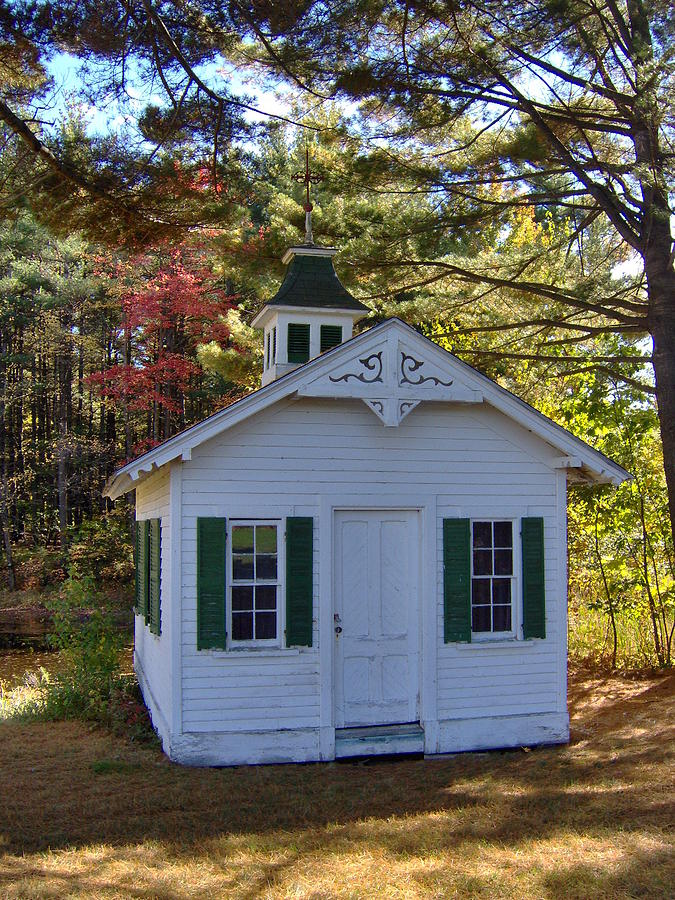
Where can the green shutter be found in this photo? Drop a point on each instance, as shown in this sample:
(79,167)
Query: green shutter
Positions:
(211,537)
(534,605)
(456,580)
(142,568)
(155,599)
(331,336)
(299,581)
(298,343)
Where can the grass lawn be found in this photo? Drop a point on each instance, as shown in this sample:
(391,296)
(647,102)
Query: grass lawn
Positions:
(85,814)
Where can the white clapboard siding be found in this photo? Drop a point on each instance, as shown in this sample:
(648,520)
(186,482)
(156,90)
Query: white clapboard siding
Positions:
(283,462)
(153,652)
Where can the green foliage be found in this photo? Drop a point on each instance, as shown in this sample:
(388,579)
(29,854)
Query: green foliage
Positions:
(90,644)
(102,551)
(622,563)
(89,683)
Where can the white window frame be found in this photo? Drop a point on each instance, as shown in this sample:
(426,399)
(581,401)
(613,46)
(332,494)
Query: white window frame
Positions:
(515,632)
(267,643)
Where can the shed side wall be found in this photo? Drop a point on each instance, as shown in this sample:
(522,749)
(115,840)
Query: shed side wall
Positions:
(152,653)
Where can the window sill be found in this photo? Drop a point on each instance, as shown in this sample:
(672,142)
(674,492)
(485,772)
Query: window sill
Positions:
(506,642)
(258,652)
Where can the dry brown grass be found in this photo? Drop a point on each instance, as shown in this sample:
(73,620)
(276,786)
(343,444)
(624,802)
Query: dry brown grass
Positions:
(84,814)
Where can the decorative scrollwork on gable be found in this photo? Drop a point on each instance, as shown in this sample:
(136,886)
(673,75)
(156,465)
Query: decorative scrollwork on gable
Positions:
(372,363)
(410,365)
(406,406)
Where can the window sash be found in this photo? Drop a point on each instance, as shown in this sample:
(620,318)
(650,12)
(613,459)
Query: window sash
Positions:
(254,583)
(492,577)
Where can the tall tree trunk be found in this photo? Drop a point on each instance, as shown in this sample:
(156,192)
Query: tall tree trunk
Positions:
(661,289)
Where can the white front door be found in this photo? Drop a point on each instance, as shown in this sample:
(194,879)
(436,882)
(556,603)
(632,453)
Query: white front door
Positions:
(376,617)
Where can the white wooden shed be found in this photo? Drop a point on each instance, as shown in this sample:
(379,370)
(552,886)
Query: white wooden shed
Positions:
(367,555)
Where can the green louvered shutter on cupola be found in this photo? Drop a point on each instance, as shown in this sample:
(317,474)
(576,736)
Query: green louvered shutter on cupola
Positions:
(155,599)
(142,568)
(298,342)
(299,581)
(211,538)
(456,580)
(534,600)
(330,336)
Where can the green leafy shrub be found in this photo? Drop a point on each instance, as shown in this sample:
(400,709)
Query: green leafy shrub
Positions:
(90,646)
(89,684)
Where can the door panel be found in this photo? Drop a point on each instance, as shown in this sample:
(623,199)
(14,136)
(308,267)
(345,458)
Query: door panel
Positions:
(377,610)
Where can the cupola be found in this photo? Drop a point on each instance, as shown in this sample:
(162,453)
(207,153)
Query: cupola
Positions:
(312,311)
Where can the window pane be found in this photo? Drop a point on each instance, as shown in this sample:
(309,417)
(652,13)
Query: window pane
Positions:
(482,534)
(242,598)
(242,539)
(265,566)
(242,626)
(502,618)
(503,534)
(480,590)
(503,562)
(266,597)
(242,568)
(482,562)
(265,625)
(266,539)
(501,590)
(480,618)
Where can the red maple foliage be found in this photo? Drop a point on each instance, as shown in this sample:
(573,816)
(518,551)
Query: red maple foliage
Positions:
(170,304)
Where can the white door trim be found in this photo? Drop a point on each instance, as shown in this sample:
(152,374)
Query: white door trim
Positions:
(430,598)
(404,643)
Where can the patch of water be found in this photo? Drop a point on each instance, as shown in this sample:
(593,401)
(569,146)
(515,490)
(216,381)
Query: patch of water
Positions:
(15,664)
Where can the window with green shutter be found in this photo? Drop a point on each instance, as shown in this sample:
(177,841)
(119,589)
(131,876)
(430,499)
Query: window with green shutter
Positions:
(211,569)
(483,598)
(331,336)
(298,342)
(142,568)
(299,581)
(154,616)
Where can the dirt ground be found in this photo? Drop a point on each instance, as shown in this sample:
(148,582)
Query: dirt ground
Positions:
(86,814)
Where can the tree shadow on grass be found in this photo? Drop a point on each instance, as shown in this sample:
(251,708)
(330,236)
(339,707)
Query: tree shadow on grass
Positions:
(68,788)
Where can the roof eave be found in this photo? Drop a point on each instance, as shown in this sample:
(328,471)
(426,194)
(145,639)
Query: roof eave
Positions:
(269,309)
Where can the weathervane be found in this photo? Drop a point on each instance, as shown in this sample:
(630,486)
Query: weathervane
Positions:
(307,178)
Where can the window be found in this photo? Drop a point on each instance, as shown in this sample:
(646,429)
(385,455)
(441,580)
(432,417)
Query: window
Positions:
(274,346)
(298,342)
(492,577)
(255,583)
(331,336)
(268,350)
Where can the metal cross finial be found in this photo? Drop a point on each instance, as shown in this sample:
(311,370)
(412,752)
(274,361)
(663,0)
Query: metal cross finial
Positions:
(307,178)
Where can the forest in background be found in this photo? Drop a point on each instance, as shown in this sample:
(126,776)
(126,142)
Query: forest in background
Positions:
(132,263)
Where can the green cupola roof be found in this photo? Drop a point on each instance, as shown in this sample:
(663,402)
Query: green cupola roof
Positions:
(311,281)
